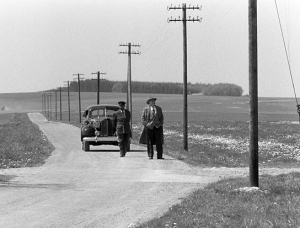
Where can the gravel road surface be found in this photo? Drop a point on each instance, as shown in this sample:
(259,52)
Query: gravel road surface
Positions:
(97,188)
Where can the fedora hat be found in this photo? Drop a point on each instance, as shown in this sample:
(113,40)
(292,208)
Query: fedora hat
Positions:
(151,99)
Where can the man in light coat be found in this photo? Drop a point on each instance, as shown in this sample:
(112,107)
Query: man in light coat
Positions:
(153,120)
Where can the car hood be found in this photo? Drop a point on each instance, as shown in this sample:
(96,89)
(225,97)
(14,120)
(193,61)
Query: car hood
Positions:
(100,119)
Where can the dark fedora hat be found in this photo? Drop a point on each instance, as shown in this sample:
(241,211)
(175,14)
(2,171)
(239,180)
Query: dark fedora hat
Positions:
(151,99)
(121,102)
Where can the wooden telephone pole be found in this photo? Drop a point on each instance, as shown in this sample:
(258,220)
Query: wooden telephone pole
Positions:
(98,86)
(55,93)
(185,106)
(129,92)
(68,83)
(79,100)
(253,123)
(60,104)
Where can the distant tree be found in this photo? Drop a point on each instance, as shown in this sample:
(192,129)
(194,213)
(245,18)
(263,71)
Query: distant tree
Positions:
(223,89)
(153,88)
(117,88)
(74,86)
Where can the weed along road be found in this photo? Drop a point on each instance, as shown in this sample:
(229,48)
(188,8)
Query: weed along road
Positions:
(97,188)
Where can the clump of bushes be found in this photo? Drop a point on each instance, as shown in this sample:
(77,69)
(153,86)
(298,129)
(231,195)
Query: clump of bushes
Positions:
(223,89)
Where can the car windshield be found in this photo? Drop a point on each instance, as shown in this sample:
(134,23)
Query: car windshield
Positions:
(97,113)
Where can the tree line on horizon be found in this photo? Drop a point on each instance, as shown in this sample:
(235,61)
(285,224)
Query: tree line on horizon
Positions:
(219,89)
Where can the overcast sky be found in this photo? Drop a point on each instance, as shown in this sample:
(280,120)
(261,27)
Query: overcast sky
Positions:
(44,42)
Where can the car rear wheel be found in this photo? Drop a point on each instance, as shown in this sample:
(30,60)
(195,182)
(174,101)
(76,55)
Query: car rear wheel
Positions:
(86,146)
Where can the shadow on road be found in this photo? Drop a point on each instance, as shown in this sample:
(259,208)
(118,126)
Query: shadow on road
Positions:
(6,178)
(24,185)
(114,151)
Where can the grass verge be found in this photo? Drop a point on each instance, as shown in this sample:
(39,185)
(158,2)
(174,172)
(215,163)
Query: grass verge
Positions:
(22,143)
(228,204)
(226,143)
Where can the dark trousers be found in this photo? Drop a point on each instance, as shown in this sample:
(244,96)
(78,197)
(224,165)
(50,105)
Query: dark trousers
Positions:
(123,140)
(154,136)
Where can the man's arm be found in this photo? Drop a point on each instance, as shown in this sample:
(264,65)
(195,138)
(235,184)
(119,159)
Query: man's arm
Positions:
(161,119)
(144,117)
(114,120)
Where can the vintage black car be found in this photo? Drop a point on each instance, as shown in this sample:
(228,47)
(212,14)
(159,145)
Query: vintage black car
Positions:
(97,128)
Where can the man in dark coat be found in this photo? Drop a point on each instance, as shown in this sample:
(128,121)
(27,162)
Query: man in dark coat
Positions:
(153,120)
(121,121)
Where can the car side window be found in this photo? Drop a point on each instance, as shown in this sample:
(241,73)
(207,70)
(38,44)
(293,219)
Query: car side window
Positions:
(109,113)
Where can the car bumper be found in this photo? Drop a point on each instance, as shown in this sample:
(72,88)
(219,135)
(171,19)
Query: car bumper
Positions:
(112,139)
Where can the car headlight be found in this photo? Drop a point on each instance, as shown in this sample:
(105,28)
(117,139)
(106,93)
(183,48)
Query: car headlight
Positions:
(96,124)
(97,133)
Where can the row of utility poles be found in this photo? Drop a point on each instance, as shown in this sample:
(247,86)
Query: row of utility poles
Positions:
(253,123)
(47,104)
(47,98)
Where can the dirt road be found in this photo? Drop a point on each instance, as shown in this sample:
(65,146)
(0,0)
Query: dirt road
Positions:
(97,188)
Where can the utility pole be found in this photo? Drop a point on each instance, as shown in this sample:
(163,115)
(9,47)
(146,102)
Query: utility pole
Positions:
(98,86)
(42,103)
(50,102)
(79,100)
(129,92)
(185,108)
(69,100)
(60,104)
(253,71)
(55,92)
(47,104)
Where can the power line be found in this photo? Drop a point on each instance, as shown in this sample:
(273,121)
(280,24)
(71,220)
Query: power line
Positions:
(287,57)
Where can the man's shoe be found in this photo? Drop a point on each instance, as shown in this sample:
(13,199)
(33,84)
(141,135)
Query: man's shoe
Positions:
(160,158)
(122,155)
(150,158)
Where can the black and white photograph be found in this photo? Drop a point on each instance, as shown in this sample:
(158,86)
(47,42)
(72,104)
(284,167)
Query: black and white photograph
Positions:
(149,113)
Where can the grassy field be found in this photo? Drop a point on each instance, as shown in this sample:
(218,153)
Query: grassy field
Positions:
(217,126)
(218,136)
(200,108)
(22,143)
